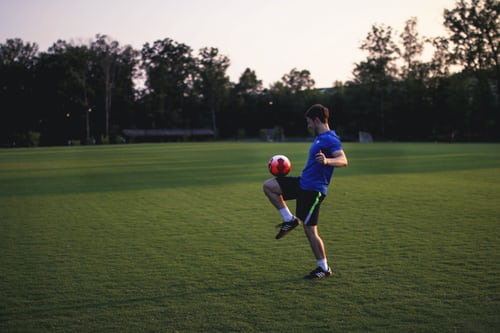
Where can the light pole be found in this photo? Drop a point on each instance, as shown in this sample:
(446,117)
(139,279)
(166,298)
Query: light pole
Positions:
(87,116)
(68,129)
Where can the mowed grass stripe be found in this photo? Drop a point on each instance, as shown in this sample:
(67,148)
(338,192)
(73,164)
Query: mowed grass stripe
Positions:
(173,240)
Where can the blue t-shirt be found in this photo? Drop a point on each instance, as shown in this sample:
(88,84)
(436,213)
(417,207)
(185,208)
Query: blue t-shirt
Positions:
(316,177)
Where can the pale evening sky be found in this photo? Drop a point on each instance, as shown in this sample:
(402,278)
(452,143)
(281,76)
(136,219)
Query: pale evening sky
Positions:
(268,36)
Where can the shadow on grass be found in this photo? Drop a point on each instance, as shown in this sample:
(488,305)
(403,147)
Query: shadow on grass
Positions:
(6,315)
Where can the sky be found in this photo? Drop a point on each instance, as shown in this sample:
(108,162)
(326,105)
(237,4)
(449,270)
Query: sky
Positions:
(271,37)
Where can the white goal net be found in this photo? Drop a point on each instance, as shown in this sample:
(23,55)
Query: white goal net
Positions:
(365,137)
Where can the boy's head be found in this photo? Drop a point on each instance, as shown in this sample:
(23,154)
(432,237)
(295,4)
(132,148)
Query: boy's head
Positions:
(318,111)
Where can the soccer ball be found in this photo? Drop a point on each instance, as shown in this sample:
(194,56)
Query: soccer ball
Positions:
(279,165)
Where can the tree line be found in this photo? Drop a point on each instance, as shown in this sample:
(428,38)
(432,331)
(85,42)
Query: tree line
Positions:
(91,93)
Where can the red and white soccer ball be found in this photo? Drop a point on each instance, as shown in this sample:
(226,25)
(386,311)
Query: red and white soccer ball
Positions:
(279,165)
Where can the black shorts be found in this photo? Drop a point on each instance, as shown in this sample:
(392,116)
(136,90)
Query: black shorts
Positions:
(307,202)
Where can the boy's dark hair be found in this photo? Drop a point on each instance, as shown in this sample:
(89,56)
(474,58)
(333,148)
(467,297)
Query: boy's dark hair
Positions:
(318,111)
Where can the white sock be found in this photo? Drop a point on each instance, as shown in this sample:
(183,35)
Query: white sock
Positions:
(287,215)
(323,264)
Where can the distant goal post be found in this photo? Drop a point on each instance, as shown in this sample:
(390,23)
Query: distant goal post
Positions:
(365,137)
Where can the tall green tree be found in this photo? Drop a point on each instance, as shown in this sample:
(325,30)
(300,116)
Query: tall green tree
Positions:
(379,65)
(248,83)
(17,107)
(244,106)
(64,91)
(411,51)
(475,33)
(474,28)
(170,69)
(288,98)
(439,65)
(376,76)
(298,80)
(212,81)
(15,51)
(414,73)
(115,68)
(106,51)
(113,62)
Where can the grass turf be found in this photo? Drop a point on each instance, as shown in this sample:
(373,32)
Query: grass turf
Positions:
(180,238)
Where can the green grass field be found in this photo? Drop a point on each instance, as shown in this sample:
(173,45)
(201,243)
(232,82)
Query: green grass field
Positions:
(180,238)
